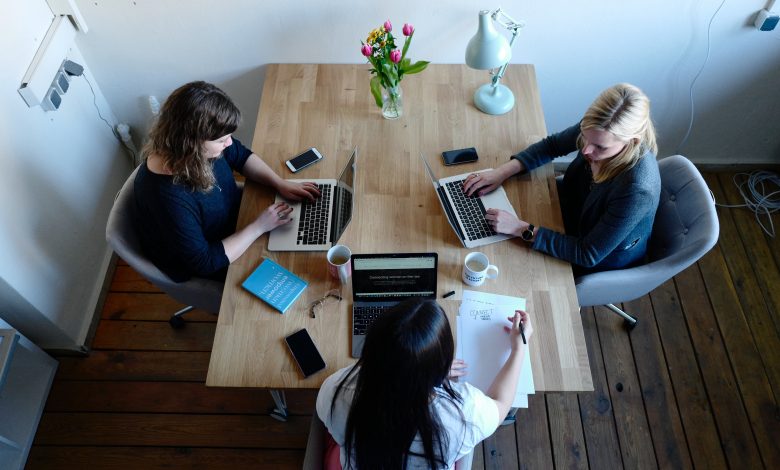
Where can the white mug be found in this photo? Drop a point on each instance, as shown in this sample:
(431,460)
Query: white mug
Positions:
(477,268)
(339,265)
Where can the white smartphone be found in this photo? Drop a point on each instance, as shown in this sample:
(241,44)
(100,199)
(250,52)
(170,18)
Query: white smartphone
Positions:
(303,160)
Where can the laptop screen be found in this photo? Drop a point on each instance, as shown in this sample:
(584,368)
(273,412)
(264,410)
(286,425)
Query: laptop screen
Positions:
(343,200)
(386,277)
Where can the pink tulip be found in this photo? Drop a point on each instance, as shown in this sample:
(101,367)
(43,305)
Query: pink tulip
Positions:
(366,50)
(395,56)
(388,26)
(408,29)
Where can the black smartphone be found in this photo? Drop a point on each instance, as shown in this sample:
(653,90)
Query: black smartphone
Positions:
(305,352)
(456,157)
(303,160)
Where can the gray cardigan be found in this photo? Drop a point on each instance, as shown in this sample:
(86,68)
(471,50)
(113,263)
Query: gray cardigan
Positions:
(608,224)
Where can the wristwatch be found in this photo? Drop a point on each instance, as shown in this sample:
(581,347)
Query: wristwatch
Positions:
(528,234)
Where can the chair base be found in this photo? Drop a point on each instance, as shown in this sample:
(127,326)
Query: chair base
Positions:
(176,321)
(629,322)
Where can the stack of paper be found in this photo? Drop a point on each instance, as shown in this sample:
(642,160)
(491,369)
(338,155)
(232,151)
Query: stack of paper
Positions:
(484,345)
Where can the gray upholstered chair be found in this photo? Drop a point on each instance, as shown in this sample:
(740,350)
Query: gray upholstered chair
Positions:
(685,228)
(199,293)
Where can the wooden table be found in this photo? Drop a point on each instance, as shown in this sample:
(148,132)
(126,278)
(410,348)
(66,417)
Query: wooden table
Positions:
(396,210)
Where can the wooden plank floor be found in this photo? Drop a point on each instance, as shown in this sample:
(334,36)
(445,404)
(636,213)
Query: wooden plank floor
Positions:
(696,384)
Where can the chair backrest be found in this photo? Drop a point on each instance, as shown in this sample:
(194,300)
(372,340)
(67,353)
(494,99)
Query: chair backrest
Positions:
(122,236)
(685,228)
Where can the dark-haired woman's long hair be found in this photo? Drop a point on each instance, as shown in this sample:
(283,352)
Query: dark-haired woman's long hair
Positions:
(407,354)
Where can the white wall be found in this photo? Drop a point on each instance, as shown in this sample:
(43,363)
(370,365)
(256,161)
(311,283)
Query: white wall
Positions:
(144,47)
(59,173)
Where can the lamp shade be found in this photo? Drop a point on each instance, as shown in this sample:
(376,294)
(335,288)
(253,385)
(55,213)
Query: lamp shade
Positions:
(487,49)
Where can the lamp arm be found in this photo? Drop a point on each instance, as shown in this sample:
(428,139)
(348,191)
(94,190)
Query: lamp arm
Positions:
(497,77)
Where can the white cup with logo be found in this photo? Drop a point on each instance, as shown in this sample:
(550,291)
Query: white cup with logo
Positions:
(338,262)
(477,268)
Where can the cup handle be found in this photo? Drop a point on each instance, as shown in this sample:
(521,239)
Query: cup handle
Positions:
(343,275)
(490,275)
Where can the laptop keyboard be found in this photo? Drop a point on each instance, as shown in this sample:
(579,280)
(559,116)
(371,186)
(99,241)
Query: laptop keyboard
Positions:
(364,316)
(313,225)
(471,211)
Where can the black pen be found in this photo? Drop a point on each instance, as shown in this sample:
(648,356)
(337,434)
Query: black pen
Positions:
(452,292)
(522,333)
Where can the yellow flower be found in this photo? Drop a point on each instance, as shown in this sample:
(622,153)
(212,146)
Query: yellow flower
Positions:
(374,35)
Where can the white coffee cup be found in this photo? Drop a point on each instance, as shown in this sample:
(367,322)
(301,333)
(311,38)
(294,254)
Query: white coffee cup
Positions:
(477,268)
(339,265)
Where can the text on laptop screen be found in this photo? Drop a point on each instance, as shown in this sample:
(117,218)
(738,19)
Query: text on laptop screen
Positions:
(376,278)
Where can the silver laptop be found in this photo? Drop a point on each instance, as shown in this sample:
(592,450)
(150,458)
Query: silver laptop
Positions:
(316,226)
(466,214)
(380,281)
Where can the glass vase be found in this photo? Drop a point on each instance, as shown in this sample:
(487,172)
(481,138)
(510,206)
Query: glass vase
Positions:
(392,102)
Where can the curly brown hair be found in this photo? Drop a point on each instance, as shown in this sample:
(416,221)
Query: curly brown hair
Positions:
(192,114)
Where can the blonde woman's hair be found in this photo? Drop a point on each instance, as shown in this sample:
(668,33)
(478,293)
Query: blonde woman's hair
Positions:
(624,111)
(194,113)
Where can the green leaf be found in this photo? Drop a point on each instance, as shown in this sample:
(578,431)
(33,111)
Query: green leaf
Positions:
(407,42)
(376,90)
(417,67)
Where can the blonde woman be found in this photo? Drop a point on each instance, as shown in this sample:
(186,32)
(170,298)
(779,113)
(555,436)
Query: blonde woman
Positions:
(186,197)
(609,193)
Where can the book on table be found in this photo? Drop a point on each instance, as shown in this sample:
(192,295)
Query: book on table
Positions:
(275,285)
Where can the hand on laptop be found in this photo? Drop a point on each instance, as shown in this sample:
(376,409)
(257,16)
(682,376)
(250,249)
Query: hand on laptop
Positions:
(479,184)
(296,191)
(505,222)
(275,215)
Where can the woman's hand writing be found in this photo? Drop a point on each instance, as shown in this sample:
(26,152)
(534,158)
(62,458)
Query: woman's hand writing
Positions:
(457,369)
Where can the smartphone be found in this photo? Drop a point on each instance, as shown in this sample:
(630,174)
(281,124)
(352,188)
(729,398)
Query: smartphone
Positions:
(303,160)
(305,352)
(456,157)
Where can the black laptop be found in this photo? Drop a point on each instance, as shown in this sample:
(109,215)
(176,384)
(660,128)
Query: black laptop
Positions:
(380,281)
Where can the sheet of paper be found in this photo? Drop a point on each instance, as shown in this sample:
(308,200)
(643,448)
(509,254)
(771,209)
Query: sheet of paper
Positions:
(483,343)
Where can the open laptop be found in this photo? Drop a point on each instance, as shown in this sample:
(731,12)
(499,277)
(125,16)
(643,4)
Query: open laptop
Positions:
(316,226)
(380,281)
(467,214)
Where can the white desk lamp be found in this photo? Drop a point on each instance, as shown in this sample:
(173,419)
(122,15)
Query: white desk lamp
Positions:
(489,50)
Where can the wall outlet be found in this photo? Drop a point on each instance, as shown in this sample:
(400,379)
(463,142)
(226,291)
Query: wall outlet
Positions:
(52,100)
(766,20)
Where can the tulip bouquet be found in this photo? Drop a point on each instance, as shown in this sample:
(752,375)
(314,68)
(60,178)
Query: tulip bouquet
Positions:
(389,63)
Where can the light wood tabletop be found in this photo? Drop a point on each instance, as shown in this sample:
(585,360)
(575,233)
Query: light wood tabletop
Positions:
(331,108)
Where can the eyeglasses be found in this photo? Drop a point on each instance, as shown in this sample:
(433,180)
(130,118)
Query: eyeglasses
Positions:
(319,304)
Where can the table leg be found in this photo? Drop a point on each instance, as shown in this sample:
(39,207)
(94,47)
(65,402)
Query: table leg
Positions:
(280,412)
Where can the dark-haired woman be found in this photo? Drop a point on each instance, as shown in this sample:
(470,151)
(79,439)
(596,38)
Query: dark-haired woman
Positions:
(397,408)
(186,197)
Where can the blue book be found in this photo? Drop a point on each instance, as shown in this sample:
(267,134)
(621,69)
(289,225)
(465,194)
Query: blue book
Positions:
(275,285)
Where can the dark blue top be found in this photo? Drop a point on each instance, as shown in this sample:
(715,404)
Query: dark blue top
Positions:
(607,224)
(181,229)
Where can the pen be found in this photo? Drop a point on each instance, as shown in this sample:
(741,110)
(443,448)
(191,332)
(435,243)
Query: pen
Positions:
(522,332)
(452,292)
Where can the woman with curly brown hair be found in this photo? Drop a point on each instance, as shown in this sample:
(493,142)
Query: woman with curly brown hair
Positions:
(185,193)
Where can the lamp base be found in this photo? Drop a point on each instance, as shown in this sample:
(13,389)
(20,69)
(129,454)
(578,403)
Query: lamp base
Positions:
(494,99)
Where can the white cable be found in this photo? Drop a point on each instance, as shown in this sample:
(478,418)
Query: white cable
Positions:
(695,78)
(760,198)
(113,130)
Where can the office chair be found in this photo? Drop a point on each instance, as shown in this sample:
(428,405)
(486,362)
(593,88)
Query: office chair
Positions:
(199,293)
(685,228)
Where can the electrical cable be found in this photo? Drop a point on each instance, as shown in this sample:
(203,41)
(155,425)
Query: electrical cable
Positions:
(695,78)
(760,198)
(113,130)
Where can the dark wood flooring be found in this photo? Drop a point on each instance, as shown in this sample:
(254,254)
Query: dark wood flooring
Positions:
(696,384)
